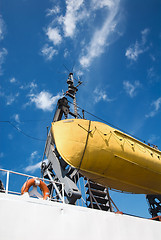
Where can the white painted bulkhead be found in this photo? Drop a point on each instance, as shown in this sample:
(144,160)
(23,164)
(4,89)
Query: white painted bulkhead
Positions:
(24,218)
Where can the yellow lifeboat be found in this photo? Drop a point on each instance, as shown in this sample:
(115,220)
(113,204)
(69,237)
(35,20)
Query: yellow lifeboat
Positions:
(108,156)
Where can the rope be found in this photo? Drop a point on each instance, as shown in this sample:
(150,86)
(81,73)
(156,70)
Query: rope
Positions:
(22,132)
(85,146)
(110,124)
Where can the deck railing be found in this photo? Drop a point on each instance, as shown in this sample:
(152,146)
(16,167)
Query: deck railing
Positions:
(5,176)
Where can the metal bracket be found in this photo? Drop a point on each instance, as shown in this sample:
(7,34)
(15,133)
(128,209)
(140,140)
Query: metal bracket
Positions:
(71,190)
(62,108)
(154,202)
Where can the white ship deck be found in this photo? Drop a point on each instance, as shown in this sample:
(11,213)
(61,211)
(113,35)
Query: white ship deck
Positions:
(24,217)
(29,218)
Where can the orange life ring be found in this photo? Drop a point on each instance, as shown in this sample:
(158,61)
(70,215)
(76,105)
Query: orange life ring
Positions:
(36,182)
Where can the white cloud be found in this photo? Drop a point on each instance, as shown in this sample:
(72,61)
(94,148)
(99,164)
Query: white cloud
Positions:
(66,53)
(71,17)
(63,25)
(77,13)
(156,106)
(54,35)
(12,80)
(134,51)
(3,53)
(152,75)
(53,11)
(79,74)
(103,3)
(33,154)
(31,86)
(11,98)
(44,100)
(100,95)
(2,28)
(16,118)
(48,52)
(131,88)
(138,48)
(100,38)
(33,168)
(144,35)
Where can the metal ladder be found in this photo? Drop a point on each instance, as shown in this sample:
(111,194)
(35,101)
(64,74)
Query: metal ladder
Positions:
(97,196)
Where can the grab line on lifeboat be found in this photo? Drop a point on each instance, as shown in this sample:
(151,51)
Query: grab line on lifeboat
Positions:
(85,145)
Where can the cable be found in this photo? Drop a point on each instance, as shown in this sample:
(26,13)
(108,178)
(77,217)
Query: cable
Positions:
(22,132)
(101,119)
(85,146)
(24,121)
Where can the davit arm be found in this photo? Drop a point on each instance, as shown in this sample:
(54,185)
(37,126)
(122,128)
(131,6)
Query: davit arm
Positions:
(65,175)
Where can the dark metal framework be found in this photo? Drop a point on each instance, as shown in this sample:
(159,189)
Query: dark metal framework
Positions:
(97,196)
(154,202)
(57,169)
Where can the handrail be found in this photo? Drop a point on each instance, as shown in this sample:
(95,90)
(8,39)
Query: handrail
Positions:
(8,172)
(26,175)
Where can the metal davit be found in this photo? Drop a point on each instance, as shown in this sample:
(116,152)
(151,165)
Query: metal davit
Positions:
(105,156)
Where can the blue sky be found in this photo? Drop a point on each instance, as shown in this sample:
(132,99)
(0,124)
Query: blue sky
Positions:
(113,46)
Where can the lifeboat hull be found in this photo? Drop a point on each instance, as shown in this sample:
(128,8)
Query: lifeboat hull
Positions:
(108,156)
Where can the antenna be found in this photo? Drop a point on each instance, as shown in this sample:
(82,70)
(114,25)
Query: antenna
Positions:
(72,90)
